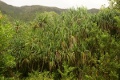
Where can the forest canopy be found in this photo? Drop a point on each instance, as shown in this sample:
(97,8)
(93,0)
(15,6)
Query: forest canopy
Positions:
(73,45)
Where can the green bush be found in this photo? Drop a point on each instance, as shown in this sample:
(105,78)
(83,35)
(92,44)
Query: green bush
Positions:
(75,45)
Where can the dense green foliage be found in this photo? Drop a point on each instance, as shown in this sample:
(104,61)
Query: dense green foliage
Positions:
(75,45)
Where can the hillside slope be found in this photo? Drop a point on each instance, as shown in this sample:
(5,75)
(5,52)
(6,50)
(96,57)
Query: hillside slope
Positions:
(25,12)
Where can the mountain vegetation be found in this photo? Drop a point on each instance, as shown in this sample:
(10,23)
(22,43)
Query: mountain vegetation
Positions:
(73,45)
(26,13)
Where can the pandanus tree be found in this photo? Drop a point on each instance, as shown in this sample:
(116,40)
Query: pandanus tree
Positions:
(105,19)
(72,45)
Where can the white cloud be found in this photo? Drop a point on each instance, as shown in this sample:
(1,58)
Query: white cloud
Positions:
(60,3)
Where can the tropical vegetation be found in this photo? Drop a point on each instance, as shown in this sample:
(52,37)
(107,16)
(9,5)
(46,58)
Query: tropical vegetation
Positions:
(73,45)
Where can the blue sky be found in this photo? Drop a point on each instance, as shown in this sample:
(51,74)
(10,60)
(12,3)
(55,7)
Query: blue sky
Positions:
(59,3)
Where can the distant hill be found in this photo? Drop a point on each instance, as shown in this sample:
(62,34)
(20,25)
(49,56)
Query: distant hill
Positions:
(25,12)
(93,10)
